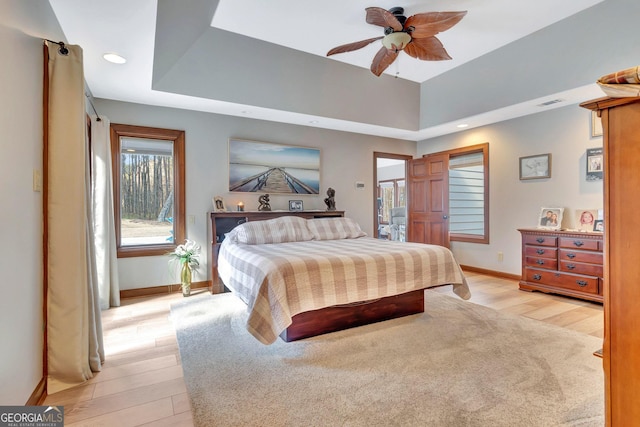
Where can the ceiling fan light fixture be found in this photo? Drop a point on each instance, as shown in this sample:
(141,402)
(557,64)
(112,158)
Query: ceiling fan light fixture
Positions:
(398,39)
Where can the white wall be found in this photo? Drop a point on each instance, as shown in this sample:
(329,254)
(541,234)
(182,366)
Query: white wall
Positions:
(23,24)
(391,172)
(513,204)
(346,158)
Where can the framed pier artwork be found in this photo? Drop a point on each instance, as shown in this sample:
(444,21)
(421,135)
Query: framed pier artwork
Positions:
(265,167)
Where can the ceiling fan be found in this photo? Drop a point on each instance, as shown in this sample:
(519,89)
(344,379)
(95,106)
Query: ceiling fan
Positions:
(415,35)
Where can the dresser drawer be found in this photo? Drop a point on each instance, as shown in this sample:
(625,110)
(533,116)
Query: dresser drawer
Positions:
(579,243)
(548,263)
(540,240)
(579,256)
(541,252)
(574,282)
(581,268)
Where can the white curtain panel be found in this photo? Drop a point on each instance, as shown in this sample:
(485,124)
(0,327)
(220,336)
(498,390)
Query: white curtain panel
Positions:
(74,328)
(103,220)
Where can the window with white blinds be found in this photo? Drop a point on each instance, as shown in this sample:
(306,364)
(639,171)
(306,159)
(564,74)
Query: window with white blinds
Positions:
(467,195)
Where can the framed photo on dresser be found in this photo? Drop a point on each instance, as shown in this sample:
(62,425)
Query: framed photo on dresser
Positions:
(550,218)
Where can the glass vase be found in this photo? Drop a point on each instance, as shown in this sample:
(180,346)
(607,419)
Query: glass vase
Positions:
(185,279)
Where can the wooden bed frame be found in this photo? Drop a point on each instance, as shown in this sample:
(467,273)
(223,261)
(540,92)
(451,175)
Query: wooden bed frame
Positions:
(324,320)
(339,317)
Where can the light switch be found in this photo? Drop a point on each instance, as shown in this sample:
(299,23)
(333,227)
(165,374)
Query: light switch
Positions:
(37,181)
(191,219)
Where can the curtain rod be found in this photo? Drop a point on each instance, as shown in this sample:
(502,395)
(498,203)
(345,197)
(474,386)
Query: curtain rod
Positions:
(93,107)
(63,50)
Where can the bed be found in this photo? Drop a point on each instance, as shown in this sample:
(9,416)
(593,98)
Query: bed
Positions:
(303,277)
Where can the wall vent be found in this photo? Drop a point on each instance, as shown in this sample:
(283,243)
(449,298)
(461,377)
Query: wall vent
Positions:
(547,103)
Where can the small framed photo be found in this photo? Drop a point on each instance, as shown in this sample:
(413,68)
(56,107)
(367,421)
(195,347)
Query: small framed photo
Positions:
(295,205)
(595,164)
(535,167)
(598,225)
(550,218)
(585,219)
(218,204)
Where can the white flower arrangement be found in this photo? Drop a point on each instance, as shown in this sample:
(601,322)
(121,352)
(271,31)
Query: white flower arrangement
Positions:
(188,252)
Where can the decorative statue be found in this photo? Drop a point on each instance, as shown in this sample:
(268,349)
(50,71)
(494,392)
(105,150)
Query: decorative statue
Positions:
(330,201)
(264,203)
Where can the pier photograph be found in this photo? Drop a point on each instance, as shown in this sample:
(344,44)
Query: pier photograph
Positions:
(264,167)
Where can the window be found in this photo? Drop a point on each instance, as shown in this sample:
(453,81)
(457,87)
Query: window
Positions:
(468,194)
(392,195)
(148,181)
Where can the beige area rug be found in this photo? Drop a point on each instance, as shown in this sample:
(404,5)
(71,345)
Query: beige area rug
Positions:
(458,364)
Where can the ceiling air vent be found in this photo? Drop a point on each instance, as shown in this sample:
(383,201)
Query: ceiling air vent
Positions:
(547,103)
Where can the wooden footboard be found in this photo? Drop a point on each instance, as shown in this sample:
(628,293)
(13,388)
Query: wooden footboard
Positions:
(336,318)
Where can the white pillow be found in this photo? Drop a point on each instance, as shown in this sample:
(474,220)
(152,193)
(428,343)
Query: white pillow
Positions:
(334,228)
(277,230)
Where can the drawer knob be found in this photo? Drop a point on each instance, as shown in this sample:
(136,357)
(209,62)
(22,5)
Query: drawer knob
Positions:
(571,266)
(581,283)
(578,243)
(540,239)
(539,251)
(539,262)
(537,277)
(571,256)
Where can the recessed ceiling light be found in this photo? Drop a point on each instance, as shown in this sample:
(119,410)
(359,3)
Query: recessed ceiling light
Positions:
(462,125)
(114,57)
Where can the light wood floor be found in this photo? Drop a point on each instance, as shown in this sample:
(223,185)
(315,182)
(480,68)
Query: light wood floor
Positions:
(141,383)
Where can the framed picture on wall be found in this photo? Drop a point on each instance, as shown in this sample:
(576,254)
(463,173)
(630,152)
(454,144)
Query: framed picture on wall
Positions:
(264,167)
(535,167)
(595,165)
(596,125)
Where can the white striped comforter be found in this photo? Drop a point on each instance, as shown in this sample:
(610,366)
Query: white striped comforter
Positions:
(278,281)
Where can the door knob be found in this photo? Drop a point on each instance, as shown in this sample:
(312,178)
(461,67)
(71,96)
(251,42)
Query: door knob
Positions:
(444,217)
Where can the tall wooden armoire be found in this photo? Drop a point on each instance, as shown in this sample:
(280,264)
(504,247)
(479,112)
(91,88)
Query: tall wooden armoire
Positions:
(621,350)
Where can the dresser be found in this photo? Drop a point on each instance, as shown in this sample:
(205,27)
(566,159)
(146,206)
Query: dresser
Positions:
(621,348)
(223,222)
(562,262)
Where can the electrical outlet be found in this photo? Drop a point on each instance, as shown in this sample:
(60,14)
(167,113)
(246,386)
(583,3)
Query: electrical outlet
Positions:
(500,257)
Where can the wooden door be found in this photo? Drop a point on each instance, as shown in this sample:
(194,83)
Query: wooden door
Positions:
(428,198)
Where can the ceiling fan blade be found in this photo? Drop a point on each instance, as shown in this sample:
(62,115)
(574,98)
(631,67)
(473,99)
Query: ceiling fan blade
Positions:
(431,23)
(427,49)
(352,46)
(383,18)
(382,60)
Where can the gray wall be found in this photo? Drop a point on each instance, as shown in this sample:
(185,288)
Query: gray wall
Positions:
(23,24)
(346,158)
(569,54)
(563,132)
(258,73)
